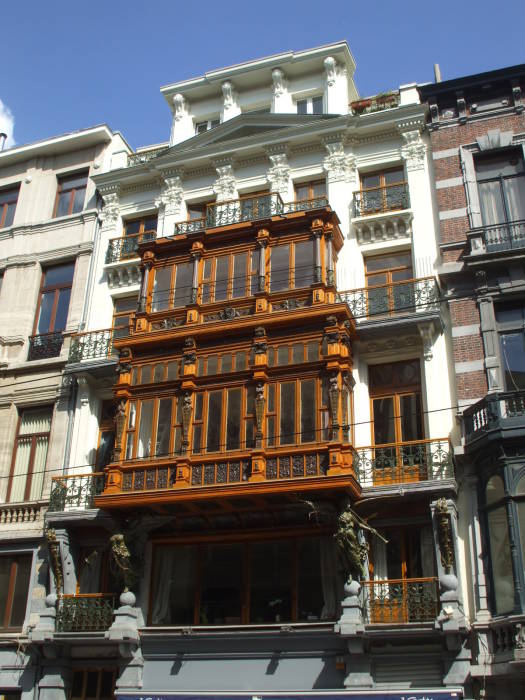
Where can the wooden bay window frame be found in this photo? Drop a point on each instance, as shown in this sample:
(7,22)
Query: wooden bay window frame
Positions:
(221,418)
(171,286)
(151,426)
(230,276)
(296,411)
(291,264)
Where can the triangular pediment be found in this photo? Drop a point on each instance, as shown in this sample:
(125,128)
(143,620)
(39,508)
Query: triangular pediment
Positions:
(247,126)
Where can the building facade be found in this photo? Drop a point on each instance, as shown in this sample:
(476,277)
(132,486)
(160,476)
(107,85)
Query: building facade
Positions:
(48,228)
(477,131)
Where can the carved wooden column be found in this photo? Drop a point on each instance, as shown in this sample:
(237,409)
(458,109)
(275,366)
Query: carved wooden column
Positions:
(261,305)
(188,370)
(259,362)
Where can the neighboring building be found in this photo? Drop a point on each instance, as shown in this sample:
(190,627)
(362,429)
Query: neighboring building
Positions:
(48,227)
(264,309)
(477,130)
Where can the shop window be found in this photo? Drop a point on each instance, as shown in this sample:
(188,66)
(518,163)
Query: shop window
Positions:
(71,193)
(29,455)
(291,266)
(511,326)
(15,571)
(8,202)
(256,582)
(93,684)
(501,186)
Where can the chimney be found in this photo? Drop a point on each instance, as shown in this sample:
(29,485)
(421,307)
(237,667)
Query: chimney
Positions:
(3,138)
(437,73)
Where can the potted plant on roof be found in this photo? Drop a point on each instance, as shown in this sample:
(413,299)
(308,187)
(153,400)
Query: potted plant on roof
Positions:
(359,106)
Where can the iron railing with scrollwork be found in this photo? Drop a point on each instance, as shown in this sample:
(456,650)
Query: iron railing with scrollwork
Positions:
(400,600)
(404,462)
(92,345)
(89,612)
(378,200)
(191,226)
(145,156)
(306,204)
(506,236)
(45,346)
(485,415)
(76,492)
(126,247)
(408,296)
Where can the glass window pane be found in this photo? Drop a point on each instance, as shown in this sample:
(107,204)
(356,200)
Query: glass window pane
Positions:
(213,439)
(73,181)
(279,266)
(221,594)
(132,227)
(310,585)
(411,418)
(9,214)
(297,353)
(282,355)
(384,426)
(62,309)
(132,414)
(494,490)
(59,274)
(150,223)
(308,410)
(198,406)
(287,426)
(183,284)
(212,366)
(46,309)
(312,351)
(513,352)
(250,400)
(175,580)
(158,373)
(302,192)
(319,189)
(302,106)
(317,105)
(502,579)
(146,374)
(240,360)
(173,370)
(491,201)
(521,522)
(125,304)
(18,609)
(304,263)
(163,427)
(392,176)
(270,431)
(78,201)
(271,398)
(146,420)
(106,685)
(226,363)
(370,180)
(63,203)
(233,423)
(221,278)
(239,275)
(161,289)
(271,582)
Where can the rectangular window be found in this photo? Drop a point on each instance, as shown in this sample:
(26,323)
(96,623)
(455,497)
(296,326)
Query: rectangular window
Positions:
(501,186)
(71,194)
(172,286)
(310,190)
(146,224)
(383,190)
(122,311)
(310,105)
(15,571)
(387,293)
(257,582)
(511,325)
(206,125)
(229,277)
(291,265)
(8,202)
(93,684)
(53,303)
(30,454)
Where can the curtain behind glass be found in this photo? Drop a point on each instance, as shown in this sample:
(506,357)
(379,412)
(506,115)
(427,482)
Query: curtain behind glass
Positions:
(39,465)
(501,562)
(514,189)
(330,578)
(491,202)
(162,593)
(18,481)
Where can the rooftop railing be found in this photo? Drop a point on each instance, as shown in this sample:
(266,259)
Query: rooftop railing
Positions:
(487,414)
(245,209)
(45,346)
(89,612)
(408,296)
(404,462)
(497,237)
(378,200)
(76,492)
(126,247)
(395,601)
(145,156)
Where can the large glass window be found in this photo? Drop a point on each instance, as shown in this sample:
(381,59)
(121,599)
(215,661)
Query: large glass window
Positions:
(172,286)
(256,582)
(501,563)
(53,303)
(30,453)
(71,194)
(221,419)
(383,190)
(229,276)
(293,412)
(291,265)
(8,202)
(310,190)
(501,186)
(385,291)
(15,571)
(511,326)
(150,427)
(122,311)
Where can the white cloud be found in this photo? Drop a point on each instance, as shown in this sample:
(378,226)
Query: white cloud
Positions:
(7,124)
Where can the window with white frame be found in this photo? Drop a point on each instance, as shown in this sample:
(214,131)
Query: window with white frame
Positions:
(206,125)
(310,105)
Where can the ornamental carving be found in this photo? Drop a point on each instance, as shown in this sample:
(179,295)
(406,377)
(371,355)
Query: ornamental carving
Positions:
(225,186)
(333,394)
(259,413)
(55,559)
(171,196)
(180,107)
(278,174)
(186,418)
(228,94)
(279,82)
(120,421)
(413,150)
(167,324)
(339,166)
(110,211)
(446,548)
(330,66)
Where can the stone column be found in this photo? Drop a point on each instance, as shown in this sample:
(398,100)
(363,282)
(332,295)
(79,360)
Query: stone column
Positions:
(56,677)
(351,626)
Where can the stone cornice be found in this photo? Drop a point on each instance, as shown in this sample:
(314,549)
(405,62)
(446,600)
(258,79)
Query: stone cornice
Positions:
(48,255)
(83,217)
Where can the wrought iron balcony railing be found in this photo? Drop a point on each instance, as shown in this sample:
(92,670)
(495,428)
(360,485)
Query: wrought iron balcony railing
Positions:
(400,600)
(93,345)
(76,492)
(497,237)
(255,208)
(397,298)
(404,462)
(145,156)
(495,410)
(45,346)
(126,247)
(378,200)
(90,612)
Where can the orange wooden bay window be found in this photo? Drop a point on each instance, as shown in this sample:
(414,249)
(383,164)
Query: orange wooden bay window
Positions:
(232,583)
(296,411)
(152,427)
(291,265)
(223,419)
(229,276)
(172,286)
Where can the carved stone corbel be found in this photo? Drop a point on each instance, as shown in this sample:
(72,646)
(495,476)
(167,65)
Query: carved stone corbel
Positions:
(55,559)
(446,547)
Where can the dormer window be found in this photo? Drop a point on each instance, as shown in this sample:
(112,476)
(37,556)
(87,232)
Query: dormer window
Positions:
(310,105)
(201,127)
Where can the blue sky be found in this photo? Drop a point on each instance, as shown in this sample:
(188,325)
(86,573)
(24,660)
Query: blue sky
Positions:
(70,65)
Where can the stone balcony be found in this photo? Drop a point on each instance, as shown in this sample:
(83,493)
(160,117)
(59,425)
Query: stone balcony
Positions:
(491,243)
(382,214)
(497,416)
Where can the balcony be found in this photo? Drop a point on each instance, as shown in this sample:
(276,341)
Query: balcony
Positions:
(398,601)
(495,417)
(404,463)
(376,103)
(496,238)
(45,346)
(93,345)
(378,200)
(75,492)
(390,300)
(247,209)
(382,214)
(126,247)
(90,612)
(145,156)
